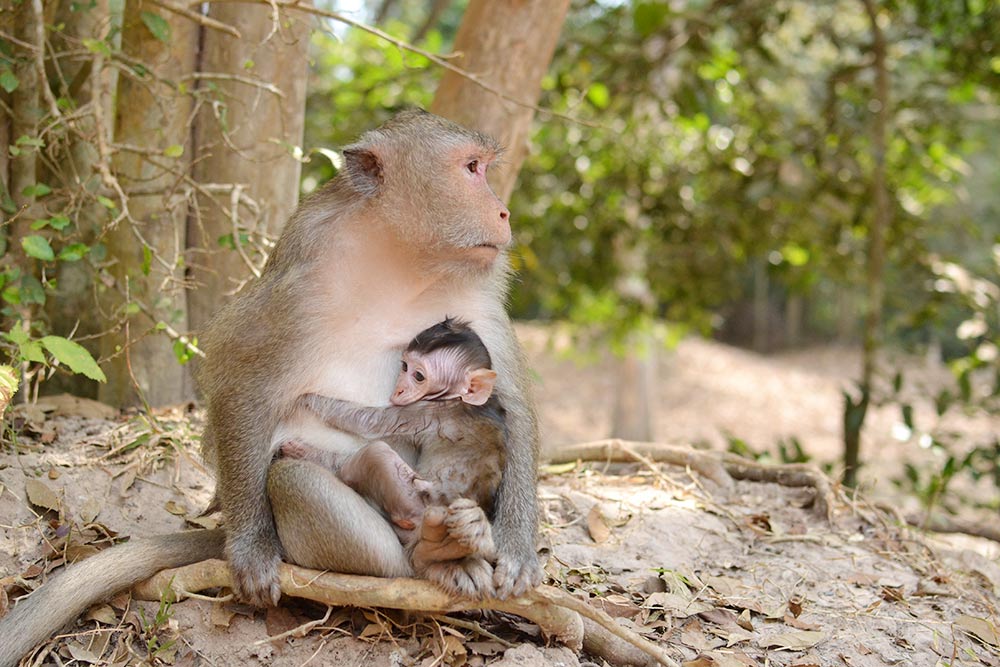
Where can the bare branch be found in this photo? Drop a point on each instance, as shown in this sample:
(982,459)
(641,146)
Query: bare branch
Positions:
(197,17)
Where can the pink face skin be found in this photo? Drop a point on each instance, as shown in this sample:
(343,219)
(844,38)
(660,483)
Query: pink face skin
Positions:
(441,375)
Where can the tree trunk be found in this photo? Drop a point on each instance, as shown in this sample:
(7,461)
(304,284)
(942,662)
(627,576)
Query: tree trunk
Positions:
(508,44)
(69,305)
(761,305)
(635,373)
(148,274)
(880,221)
(243,139)
(794,312)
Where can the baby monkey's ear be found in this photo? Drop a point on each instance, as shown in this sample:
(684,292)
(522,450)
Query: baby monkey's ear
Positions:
(478,386)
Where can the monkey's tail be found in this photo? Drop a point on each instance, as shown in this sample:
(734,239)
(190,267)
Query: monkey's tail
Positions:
(58,602)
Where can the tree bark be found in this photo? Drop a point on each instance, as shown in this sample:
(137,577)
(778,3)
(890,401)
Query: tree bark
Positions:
(148,272)
(243,138)
(508,43)
(72,300)
(632,415)
(880,222)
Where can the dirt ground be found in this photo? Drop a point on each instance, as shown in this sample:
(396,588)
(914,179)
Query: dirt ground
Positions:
(748,575)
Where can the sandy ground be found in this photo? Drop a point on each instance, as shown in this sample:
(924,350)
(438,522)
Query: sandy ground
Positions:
(749,575)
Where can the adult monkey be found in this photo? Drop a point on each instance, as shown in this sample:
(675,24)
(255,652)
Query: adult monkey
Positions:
(408,233)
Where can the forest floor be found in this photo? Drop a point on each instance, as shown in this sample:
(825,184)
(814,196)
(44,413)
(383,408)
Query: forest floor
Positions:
(744,574)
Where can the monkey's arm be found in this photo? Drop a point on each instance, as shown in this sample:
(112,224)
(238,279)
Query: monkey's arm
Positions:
(369,422)
(515,523)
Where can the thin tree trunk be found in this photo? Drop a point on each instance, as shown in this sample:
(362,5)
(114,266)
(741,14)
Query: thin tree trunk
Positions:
(880,222)
(72,300)
(794,312)
(243,139)
(525,32)
(635,373)
(433,16)
(149,251)
(761,305)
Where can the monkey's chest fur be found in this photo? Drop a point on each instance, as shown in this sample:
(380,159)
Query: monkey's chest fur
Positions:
(353,353)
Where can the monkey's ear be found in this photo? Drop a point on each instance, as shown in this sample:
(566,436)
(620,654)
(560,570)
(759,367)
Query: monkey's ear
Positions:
(478,386)
(364,169)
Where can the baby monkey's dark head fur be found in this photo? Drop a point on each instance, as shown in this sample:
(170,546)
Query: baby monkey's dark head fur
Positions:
(447,360)
(452,333)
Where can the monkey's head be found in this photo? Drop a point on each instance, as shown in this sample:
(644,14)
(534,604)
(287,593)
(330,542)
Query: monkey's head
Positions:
(424,178)
(447,360)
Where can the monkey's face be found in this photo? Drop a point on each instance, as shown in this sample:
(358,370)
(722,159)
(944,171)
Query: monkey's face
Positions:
(441,375)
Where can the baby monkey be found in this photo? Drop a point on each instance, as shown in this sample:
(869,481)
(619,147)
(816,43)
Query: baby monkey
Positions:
(443,406)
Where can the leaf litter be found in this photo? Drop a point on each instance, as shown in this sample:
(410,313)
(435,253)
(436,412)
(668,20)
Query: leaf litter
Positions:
(747,576)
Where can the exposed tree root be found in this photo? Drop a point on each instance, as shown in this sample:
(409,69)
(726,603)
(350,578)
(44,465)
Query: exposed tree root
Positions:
(941,523)
(557,613)
(722,468)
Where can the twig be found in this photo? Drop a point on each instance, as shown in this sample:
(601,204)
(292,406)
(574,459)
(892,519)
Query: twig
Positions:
(223,76)
(298,631)
(206,21)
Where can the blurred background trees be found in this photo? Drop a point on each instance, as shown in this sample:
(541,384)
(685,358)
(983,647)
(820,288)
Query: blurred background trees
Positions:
(772,174)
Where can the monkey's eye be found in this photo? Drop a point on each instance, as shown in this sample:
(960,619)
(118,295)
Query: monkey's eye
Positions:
(473,166)
(418,376)
(404,367)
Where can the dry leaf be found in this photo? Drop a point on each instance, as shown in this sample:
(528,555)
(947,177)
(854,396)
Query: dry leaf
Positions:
(597,525)
(102,613)
(175,508)
(40,495)
(795,641)
(221,616)
(679,606)
(744,620)
(81,654)
(53,473)
(799,624)
(981,628)
(618,606)
(91,508)
(700,661)
(203,521)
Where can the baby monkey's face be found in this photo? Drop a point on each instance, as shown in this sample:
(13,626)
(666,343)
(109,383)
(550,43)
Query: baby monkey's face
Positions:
(440,375)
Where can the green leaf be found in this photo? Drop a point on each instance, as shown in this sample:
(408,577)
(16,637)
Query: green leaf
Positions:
(908,416)
(183,351)
(17,334)
(147,260)
(59,222)
(25,140)
(32,351)
(32,290)
(106,203)
(74,252)
(8,81)
(38,247)
(97,46)
(599,95)
(157,25)
(8,385)
(74,355)
(649,16)
(36,190)
(174,150)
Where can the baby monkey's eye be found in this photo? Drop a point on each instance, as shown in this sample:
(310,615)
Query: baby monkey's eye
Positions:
(473,166)
(419,377)
(404,367)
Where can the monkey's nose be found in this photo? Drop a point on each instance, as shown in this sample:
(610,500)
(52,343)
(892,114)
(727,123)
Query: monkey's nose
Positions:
(504,213)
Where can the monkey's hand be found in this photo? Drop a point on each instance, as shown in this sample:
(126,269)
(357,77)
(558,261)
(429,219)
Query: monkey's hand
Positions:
(254,565)
(515,574)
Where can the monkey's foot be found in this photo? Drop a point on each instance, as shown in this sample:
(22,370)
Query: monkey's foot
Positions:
(470,577)
(467,524)
(254,568)
(514,575)
(452,533)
